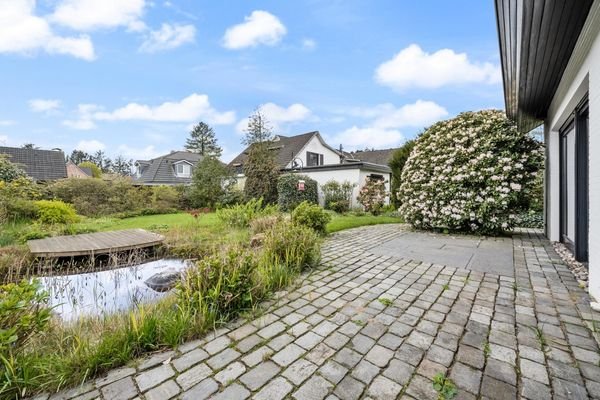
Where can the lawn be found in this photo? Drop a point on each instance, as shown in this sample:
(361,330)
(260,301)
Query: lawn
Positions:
(341,222)
(166,221)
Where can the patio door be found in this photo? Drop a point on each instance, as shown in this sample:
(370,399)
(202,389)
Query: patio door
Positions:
(574,183)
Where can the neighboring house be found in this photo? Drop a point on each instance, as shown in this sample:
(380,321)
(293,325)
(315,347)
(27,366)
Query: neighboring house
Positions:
(175,168)
(308,154)
(551,68)
(75,171)
(40,165)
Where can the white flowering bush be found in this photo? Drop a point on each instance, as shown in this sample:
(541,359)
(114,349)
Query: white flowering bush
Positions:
(470,173)
(372,195)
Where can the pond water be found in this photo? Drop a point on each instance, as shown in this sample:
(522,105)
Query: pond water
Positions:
(105,292)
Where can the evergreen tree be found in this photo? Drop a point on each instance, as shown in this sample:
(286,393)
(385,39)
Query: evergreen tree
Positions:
(397,165)
(203,141)
(261,168)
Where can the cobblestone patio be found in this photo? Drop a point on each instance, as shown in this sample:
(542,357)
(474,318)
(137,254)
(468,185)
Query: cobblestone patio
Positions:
(497,337)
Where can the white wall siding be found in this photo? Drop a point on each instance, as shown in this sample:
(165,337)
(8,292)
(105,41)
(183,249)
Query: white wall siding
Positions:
(322,177)
(581,76)
(315,146)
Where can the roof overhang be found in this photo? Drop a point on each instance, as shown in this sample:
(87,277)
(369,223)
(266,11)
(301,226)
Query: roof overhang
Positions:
(536,38)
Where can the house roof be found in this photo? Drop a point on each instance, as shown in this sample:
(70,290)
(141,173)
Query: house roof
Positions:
(381,157)
(287,148)
(537,38)
(161,170)
(41,165)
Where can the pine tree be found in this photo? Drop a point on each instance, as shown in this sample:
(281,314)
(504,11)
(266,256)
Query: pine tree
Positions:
(203,141)
(261,168)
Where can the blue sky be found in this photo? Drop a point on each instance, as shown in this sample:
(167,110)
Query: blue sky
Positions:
(131,76)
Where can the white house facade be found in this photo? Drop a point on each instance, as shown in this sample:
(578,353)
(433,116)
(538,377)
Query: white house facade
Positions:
(551,72)
(308,154)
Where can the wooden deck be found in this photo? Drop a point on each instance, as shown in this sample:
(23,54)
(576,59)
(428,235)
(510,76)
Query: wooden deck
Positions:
(90,244)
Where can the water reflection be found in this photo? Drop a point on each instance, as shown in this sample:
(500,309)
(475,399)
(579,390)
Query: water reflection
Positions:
(105,292)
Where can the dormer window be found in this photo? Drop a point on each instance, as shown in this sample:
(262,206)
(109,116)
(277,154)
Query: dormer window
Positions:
(313,159)
(183,170)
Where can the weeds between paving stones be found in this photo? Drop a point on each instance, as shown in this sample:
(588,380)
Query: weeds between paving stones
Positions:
(444,386)
(385,301)
(539,335)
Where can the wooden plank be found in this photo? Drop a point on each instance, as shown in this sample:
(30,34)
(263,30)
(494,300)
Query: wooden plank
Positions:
(94,243)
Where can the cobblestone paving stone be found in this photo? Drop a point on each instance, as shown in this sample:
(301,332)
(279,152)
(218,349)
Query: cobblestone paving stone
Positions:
(497,337)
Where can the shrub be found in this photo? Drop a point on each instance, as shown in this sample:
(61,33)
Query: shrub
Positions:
(220,286)
(164,197)
(9,171)
(372,195)
(15,200)
(469,173)
(56,212)
(96,197)
(263,224)
(530,219)
(312,216)
(23,314)
(240,215)
(337,195)
(288,194)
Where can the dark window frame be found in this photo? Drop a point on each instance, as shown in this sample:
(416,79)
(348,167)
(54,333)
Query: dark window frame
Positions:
(311,162)
(579,120)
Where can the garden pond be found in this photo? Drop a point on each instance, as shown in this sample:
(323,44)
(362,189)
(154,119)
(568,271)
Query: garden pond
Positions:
(99,293)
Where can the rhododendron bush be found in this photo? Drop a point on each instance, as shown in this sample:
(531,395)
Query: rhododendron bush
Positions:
(372,195)
(470,173)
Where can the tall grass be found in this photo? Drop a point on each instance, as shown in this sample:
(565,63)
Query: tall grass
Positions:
(231,280)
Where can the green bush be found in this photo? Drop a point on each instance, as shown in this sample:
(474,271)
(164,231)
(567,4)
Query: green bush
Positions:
(530,219)
(240,215)
(10,171)
(15,200)
(337,195)
(56,212)
(288,194)
(263,224)
(97,197)
(220,287)
(312,216)
(23,314)
(296,246)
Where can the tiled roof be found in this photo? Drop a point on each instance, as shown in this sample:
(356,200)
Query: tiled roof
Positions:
(287,148)
(161,170)
(41,165)
(381,157)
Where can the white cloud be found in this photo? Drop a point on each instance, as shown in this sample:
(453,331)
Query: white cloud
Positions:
(88,15)
(142,153)
(278,116)
(193,108)
(44,105)
(357,138)
(90,146)
(308,44)
(23,32)
(412,67)
(385,122)
(261,27)
(85,115)
(3,140)
(168,37)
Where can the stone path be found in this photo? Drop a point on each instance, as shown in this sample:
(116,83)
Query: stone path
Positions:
(335,337)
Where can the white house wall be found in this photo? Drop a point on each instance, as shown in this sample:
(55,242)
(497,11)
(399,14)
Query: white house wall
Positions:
(581,76)
(322,177)
(315,146)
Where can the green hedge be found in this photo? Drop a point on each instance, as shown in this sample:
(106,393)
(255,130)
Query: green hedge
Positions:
(290,196)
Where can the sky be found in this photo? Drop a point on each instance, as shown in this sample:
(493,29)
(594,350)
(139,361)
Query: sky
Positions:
(131,77)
